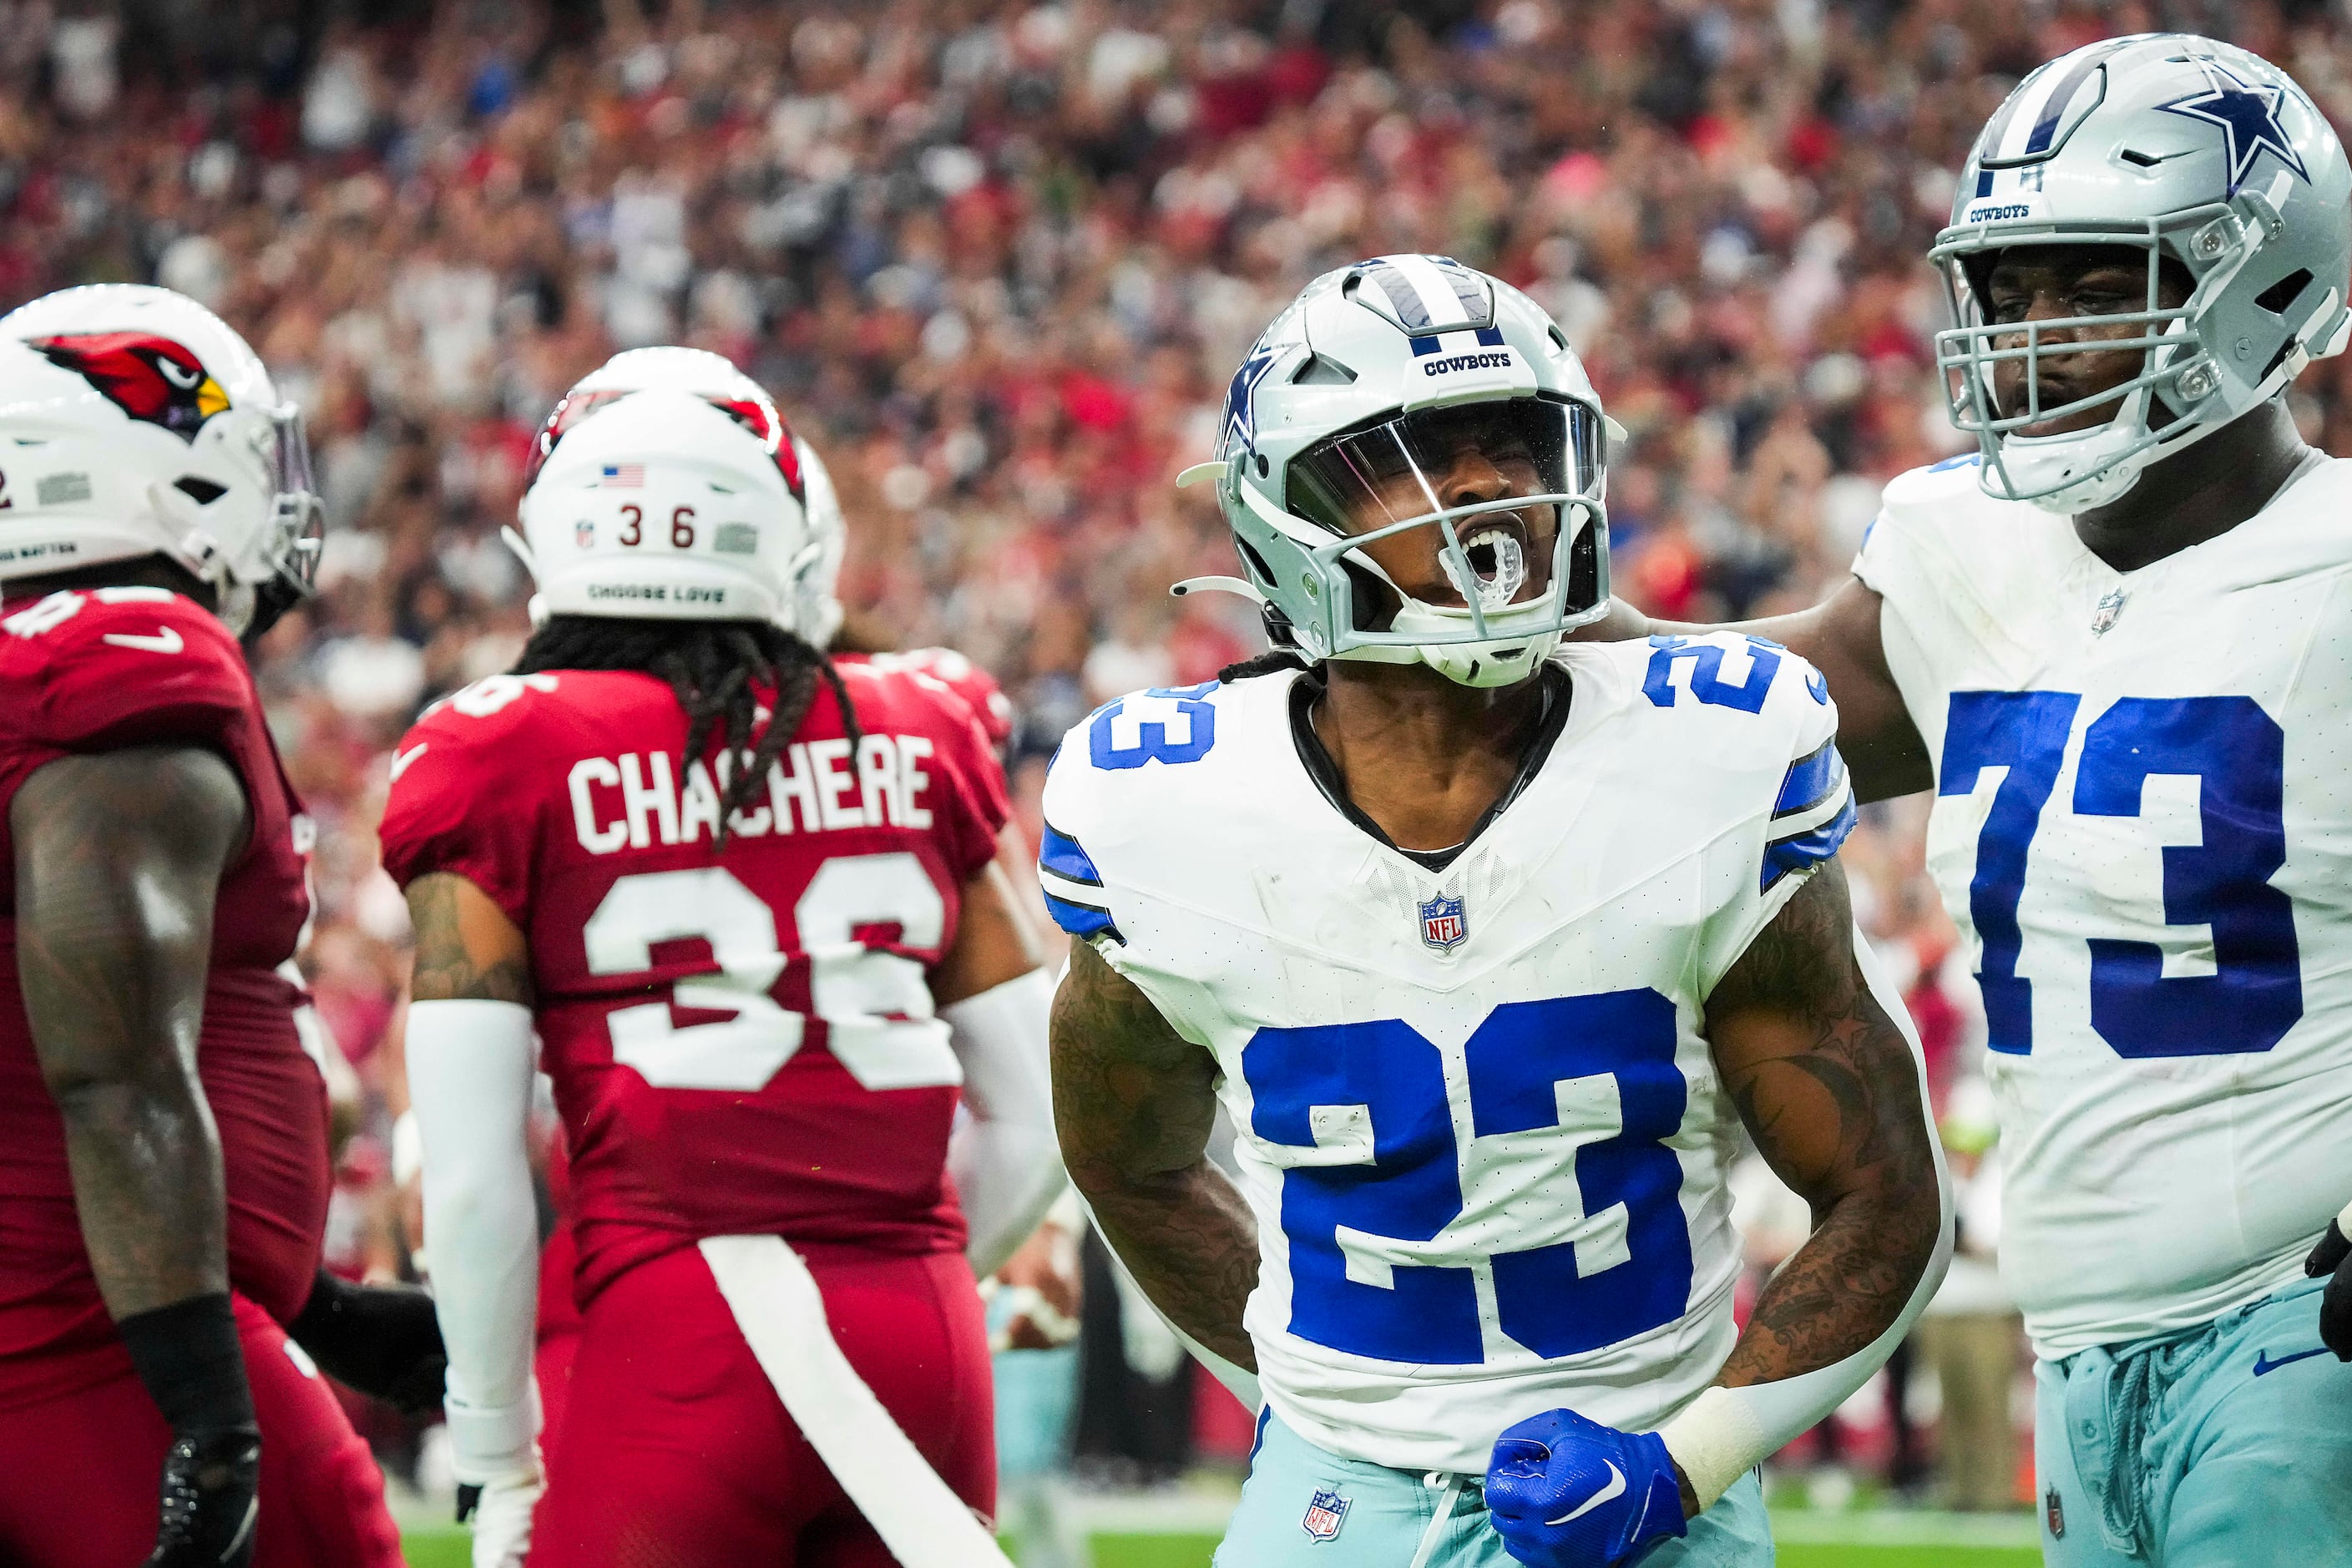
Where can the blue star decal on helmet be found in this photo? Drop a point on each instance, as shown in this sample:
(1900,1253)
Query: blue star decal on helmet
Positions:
(2247,113)
(1239,432)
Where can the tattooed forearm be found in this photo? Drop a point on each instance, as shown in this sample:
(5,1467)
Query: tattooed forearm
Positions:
(1133,1103)
(467,949)
(1825,1083)
(118,861)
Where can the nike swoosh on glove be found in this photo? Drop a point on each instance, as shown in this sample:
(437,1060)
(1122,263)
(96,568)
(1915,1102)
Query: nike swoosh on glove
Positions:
(1566,1492)
(2333,1256)
(501,1513)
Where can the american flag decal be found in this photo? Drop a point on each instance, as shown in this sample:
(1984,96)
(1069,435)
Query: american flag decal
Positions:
(623,476)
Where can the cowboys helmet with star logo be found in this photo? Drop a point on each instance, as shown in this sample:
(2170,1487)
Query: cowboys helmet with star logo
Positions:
(1349,407)
(134,422)
(2196,154)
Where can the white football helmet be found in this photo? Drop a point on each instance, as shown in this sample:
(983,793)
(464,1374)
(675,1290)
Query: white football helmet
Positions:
(1349,408)
(661,507)
(134,422)
(811,612)
(820,589)
(2193,152)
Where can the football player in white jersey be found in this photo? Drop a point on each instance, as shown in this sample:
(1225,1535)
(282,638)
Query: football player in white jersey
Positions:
(2117,644)
(1488,946)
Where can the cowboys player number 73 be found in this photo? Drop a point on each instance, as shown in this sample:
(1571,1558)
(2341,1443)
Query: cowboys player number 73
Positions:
(1488,946)
(2113,641)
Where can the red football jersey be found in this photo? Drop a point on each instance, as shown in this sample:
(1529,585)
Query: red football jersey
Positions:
(94,671)
(977,687)
(742,1040)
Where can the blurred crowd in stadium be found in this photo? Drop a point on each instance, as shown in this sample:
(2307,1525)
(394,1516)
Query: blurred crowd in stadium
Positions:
(996,259)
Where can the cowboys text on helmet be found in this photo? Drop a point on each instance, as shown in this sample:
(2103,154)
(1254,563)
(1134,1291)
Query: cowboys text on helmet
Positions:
(2217,171)
(1404,405)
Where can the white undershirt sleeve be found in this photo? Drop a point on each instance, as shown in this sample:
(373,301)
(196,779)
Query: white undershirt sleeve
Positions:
(469,1083)
(1004,1161)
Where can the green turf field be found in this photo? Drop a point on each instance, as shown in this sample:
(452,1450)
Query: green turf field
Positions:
(443,1548)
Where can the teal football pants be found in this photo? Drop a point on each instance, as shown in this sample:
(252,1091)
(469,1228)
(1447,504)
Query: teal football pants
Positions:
(1385,1515)
(2226,1446)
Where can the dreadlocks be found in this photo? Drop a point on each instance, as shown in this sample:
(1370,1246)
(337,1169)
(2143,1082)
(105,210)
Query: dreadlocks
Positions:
(1273,661)
(711,665)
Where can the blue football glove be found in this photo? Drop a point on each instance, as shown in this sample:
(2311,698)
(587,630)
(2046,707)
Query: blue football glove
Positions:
(1566,1492)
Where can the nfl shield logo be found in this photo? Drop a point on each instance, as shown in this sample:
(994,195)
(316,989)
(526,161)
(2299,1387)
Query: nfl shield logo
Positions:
(1324,1515)
(583,533)
(2054,1512)
(1442,925)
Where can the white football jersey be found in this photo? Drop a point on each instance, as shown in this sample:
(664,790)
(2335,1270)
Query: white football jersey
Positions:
(1483,1139)
(2142,824)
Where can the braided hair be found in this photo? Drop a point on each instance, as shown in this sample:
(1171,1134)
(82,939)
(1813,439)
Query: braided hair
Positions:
(710,666)
(1273,661)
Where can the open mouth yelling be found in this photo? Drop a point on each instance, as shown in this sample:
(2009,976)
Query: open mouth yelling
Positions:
(1495,546)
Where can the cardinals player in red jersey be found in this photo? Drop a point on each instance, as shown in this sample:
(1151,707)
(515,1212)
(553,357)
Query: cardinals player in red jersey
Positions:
(163,1176)
(751,905)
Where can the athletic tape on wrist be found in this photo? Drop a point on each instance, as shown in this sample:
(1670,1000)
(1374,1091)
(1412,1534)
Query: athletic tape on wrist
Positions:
(1714,1441)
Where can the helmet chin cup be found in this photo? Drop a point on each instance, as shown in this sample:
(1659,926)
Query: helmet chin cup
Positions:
(2076,472)
(1493,661)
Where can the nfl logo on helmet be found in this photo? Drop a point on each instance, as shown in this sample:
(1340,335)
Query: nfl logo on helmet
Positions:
(1324,1513)
(1442,925)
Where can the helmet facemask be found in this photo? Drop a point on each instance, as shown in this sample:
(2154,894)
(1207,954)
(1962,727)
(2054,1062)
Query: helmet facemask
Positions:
(1516,570)
(2078,469)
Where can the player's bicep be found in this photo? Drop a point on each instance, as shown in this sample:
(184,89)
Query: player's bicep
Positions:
(993,942)
(118,862)
(1132,1097)
(466,947)
(1841,637)
(1820,1074)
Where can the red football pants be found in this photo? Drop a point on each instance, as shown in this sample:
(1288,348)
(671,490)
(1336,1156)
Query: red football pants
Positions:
(78,1473)
(676,1452)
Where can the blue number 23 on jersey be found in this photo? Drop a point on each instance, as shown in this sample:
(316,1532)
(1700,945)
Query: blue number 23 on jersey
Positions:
(1376,1169)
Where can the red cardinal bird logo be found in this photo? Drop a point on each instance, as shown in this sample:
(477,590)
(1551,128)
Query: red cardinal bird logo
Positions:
(757,418)
(147,377)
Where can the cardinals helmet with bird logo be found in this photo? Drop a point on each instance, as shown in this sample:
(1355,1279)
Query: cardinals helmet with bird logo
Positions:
(134,422)
(811,610)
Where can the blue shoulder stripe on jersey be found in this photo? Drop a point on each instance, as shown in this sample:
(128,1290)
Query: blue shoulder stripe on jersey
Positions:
(1810,779)
(1060,855)
(1806,850)
(1082,919)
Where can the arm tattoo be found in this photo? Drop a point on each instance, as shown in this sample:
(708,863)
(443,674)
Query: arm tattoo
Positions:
(1133,1103)
(118,861)
(462,953)
(1825,1083)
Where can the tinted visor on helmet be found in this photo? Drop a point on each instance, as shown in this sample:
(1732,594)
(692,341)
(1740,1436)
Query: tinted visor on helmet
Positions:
(1419,468)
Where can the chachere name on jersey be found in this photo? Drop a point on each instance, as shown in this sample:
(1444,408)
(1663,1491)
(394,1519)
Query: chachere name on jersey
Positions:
(634,800)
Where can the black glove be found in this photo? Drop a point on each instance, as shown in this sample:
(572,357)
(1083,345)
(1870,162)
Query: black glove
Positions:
(382,1340)
(211,1482)
(2333,1256)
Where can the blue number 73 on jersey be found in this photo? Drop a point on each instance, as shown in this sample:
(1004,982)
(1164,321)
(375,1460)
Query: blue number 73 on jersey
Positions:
(2237,752)
(1384,1213)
